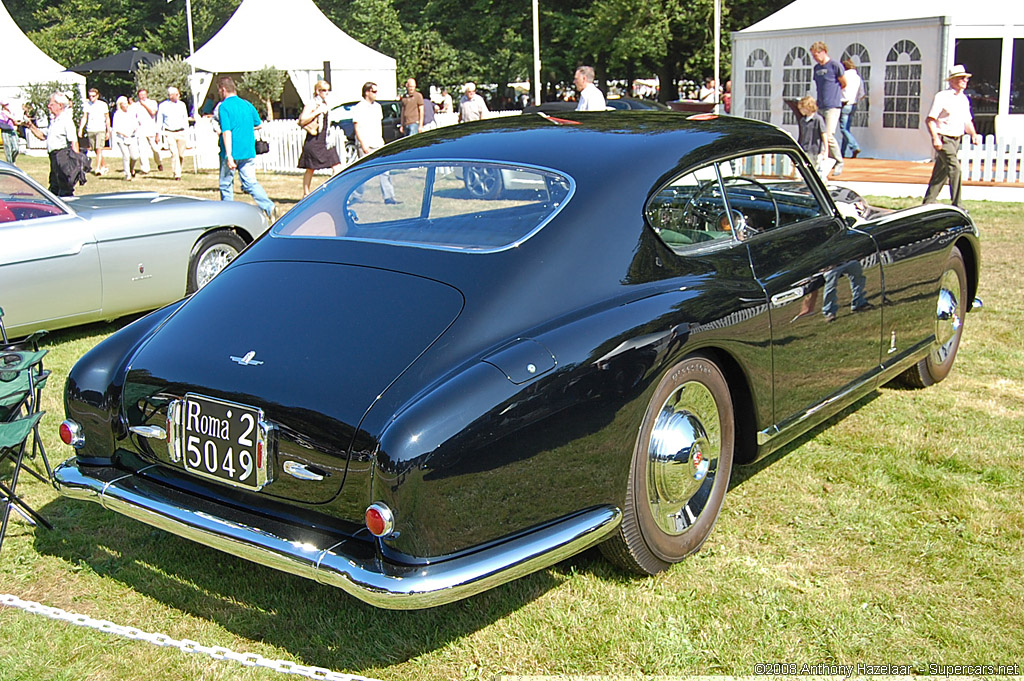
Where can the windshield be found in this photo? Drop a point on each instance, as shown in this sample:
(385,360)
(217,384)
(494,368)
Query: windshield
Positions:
(466,206)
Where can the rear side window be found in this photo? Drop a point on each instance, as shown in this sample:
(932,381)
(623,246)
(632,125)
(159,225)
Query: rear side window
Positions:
(457,206)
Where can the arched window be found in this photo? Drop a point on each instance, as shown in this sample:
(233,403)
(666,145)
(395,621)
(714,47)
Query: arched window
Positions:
(757,86)
(797,74)
(902,87)
(858,54)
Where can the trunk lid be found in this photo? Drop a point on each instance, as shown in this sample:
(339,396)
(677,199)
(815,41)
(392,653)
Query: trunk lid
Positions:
(311,344)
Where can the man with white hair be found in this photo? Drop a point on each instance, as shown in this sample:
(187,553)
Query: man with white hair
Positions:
(172,121)
(61,135)
(472,106)
(591,98)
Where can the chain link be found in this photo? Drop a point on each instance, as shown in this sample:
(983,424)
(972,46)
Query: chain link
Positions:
(185,645)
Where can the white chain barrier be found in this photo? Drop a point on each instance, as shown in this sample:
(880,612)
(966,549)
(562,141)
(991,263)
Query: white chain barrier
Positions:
(219,653)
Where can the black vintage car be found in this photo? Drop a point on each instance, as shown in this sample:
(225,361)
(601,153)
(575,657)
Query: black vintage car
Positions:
(414,392)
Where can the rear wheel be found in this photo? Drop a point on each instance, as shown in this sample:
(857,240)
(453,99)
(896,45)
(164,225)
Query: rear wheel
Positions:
(949,326)
(680,469)
(212,254)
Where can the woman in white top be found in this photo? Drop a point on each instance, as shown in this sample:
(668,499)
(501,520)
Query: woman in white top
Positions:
(126,137)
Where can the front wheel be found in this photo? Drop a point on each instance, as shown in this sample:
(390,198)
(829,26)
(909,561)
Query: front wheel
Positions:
(680,469)
(212,254)
(949,326)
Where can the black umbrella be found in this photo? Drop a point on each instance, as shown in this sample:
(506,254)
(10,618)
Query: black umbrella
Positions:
(122,62)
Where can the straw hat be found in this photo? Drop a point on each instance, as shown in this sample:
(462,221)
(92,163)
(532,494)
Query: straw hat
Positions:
(957,71)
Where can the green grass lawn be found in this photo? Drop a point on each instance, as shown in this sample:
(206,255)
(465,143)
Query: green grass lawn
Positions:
(894,535)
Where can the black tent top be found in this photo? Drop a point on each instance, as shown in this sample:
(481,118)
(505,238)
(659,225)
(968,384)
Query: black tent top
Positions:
(122,62)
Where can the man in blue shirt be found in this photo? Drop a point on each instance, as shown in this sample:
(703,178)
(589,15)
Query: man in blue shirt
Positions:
(238,122)
(829,81)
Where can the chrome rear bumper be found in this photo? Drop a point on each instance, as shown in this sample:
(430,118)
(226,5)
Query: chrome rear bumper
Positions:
(366,577)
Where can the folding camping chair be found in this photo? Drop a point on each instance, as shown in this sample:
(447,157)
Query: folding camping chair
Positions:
(22,378)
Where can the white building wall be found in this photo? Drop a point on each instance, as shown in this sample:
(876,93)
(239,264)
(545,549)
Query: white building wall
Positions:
(929,35)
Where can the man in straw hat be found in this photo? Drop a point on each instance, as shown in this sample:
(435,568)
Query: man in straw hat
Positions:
(948,120)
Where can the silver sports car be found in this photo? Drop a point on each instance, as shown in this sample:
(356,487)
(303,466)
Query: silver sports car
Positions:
(72,261)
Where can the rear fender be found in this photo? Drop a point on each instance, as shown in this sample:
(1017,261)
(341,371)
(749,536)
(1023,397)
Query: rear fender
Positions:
(92,394)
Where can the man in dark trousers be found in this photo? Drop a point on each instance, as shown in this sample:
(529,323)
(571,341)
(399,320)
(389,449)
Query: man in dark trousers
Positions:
(948,120)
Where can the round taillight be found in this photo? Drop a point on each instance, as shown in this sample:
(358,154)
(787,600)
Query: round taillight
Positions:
(379,520)
(71,434)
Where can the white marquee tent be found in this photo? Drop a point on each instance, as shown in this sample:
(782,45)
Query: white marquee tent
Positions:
(903,50)
(296,37)
(24,63)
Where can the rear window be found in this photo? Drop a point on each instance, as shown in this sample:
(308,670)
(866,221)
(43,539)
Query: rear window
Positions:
(450,205)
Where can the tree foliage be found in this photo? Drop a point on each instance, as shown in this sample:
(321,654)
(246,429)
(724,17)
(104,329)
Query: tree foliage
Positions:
(266,86)
(169,71)
(438,42)
(37,96)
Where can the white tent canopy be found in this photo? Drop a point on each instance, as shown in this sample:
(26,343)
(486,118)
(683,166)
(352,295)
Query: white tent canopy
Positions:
(296,37)
(903,50)
(809,13)
(24,63)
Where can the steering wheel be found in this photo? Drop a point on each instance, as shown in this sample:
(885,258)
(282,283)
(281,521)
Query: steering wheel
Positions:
(768,194)
(695,210)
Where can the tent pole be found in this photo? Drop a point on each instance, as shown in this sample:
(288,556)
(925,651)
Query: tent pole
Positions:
(188,21)
(536,53)
(718,52)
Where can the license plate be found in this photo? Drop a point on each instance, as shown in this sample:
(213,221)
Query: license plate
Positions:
(222,440)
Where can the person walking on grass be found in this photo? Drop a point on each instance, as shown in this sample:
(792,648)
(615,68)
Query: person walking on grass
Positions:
(238,123)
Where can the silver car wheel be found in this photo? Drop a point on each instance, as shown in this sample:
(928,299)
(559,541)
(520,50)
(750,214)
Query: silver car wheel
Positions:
(210,255)
(683,458)
(949,326)
(213,261)
(948,316)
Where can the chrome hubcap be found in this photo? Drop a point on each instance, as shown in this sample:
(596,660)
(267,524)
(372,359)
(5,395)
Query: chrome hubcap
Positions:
(948,317)
(213,261)
(683,458)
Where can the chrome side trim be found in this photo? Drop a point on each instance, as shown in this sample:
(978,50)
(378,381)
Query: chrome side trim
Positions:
(781,432)
(374,581)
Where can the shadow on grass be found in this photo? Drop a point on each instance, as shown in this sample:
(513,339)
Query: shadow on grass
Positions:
(319,625)
(741,474)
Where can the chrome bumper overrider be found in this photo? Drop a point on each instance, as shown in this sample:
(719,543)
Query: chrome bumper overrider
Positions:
(369,579)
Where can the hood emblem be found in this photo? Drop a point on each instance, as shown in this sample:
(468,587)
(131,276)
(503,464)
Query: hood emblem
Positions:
(247,359)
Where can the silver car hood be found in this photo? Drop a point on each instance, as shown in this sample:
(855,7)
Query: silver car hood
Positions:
(89,203)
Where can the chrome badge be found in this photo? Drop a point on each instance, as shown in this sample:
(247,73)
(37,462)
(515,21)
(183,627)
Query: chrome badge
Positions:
(247,359)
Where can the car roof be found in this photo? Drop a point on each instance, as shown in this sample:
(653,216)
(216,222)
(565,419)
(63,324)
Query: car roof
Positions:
(641,145)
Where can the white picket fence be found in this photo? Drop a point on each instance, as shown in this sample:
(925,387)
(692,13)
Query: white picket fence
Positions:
(994,160)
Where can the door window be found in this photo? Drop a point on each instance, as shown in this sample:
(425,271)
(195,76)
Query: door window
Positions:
(21,201)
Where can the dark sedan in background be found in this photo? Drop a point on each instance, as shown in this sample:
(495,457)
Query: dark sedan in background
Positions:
(414,392)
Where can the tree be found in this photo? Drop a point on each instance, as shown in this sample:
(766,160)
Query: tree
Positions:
(37,97)
(167,72)
(266,85)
